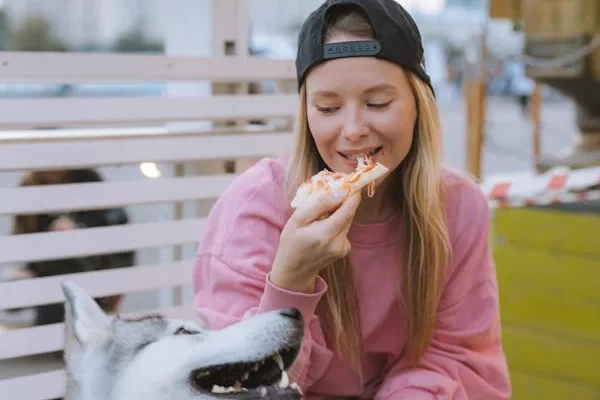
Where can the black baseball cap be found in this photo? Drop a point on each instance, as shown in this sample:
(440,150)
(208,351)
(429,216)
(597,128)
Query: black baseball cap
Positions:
(397,38)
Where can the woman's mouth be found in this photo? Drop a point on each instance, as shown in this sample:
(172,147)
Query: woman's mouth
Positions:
(351,158)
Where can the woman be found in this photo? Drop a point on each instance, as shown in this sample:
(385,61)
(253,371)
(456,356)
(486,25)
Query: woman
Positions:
(34,223)
(398,291)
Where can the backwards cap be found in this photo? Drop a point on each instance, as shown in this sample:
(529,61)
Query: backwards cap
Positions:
(397,38)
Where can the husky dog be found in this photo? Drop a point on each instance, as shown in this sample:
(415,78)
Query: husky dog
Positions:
(154,358)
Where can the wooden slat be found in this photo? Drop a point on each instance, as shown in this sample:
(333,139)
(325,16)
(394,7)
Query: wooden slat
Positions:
(36,291)
(130,132)
(86,67)
(43,386)
(97,195)
(528,386)
(546,270)
(64,112)
(544,354)
(49,338)
(523,305)
(83,153)
(546,229)
(81,242)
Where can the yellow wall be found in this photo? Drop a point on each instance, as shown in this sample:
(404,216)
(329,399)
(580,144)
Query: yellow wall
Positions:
(548,266)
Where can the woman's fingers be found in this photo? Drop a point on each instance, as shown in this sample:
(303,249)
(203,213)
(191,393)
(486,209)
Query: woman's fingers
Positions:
(325,205)
(340,220)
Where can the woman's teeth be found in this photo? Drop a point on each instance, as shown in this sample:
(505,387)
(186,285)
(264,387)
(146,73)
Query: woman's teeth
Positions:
(357,156)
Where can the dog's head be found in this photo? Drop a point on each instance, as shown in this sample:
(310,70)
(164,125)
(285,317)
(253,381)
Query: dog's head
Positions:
(156,358)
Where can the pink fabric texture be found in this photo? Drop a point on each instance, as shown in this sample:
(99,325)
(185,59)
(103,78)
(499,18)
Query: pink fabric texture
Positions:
(465,360)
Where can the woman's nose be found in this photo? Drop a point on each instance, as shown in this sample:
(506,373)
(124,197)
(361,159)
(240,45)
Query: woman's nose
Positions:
(354,128)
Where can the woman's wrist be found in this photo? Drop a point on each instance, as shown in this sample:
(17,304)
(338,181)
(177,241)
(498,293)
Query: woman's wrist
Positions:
(299,285)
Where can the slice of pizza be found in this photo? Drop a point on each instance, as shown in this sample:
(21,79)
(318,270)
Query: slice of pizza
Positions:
(325,181)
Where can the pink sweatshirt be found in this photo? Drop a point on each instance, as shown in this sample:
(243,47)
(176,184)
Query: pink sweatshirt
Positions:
(465,359)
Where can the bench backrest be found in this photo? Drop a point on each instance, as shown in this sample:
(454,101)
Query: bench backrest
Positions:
(189,136)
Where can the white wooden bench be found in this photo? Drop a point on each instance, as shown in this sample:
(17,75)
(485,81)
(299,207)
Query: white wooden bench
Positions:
(101,132)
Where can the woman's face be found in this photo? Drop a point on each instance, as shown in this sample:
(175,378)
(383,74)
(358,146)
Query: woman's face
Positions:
(53,176)
(360,106)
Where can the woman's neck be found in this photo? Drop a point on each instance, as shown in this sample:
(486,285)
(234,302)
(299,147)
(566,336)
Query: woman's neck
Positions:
(377,208)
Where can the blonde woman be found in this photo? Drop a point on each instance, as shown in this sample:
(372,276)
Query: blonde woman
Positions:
(398,291)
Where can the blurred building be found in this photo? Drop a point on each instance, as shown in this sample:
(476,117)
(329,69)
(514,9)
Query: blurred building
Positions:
(467,4)
(81,23)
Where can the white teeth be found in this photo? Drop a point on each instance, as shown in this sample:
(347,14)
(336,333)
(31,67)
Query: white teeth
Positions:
(285,380)
(363,156)
(236,388)
(295,386)
(202,374)
(361,162)
(278,360)
(218,389)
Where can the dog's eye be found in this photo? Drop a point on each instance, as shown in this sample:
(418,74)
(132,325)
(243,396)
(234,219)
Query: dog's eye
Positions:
(183,331)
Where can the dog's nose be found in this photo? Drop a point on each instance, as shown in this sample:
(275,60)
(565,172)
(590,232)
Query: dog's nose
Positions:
(292,313)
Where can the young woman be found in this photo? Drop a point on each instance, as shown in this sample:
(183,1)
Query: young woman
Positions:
(398,291)
(33,223)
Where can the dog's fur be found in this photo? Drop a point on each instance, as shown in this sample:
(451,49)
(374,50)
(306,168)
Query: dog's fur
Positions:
(154,358)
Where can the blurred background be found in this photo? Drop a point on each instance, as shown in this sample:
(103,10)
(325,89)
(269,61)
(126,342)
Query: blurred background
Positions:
(517,83)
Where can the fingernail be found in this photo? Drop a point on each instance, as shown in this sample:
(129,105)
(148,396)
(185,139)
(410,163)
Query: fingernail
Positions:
(338,194)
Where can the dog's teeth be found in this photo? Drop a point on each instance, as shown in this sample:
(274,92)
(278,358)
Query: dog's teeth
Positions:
(295,386)
(285,380)
(202,374)
(245,376)
(218,389)
(256,367)
(279,361)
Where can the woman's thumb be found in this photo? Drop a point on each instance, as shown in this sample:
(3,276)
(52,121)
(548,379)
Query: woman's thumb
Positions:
(325,204)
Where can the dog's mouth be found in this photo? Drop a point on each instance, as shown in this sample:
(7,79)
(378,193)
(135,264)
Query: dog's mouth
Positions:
(260,379)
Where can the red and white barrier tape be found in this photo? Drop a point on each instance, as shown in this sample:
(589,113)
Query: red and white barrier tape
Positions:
(548,199)
(557,186)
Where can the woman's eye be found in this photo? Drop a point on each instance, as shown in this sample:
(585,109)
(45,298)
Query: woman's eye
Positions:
(327,110)
(379,105)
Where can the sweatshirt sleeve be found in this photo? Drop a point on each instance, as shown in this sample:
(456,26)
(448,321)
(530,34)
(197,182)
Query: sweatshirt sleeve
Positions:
(465,360)
(233,263)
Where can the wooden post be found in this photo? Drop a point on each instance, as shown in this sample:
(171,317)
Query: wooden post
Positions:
(475,91)
(231,38)
(535,110)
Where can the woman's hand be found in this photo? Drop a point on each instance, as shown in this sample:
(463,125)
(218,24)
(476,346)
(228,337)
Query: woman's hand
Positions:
(314,237)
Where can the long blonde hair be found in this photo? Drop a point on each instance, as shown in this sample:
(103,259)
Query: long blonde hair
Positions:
(420,201)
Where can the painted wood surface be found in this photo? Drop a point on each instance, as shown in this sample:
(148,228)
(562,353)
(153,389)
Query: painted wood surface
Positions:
(548,264)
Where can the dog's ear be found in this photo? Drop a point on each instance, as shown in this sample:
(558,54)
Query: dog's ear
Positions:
(84,319)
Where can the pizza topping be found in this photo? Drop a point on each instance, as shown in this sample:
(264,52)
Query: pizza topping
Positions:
(325,181)
(371,189)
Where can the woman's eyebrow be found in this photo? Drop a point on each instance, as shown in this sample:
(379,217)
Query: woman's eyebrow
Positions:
(384,87)
(381,88)
(325,94)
